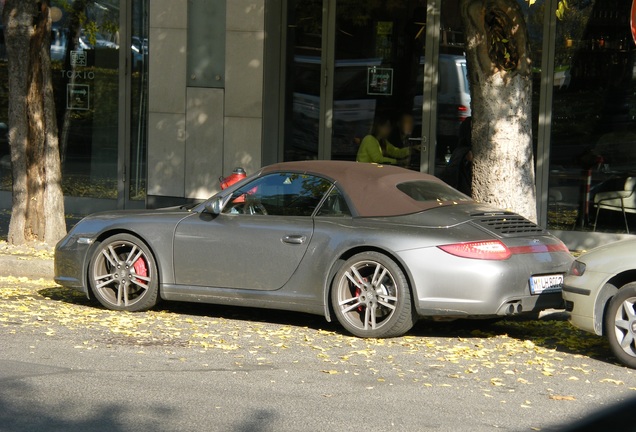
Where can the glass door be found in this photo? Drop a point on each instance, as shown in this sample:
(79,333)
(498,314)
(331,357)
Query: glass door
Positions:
(348,64)
(85,51)
(304,71)
(378,71)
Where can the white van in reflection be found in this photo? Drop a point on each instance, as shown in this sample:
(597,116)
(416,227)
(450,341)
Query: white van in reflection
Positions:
(453,95)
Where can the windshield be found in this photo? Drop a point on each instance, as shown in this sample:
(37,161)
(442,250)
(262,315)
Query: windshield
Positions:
(428,191)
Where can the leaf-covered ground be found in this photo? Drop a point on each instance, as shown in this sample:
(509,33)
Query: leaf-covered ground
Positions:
(505,354)
(545,368)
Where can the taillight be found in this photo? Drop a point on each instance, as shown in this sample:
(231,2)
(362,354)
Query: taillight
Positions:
(484,250)
(539,248)
(560,247)
(462,112)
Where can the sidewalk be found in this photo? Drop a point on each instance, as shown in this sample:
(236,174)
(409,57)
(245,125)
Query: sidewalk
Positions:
(34,261)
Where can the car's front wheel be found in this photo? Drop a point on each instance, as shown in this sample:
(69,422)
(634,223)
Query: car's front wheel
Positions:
(620,325)
(123,274)
(371,297)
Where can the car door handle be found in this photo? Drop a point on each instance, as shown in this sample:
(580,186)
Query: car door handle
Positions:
(294,239)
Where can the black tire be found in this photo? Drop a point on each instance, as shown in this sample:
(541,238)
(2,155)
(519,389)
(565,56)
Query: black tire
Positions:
(371,297)
(123,274)
(620,325)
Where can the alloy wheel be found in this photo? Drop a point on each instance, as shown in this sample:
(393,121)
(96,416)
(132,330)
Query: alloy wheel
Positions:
(625,326)
(121,274)
(367,295)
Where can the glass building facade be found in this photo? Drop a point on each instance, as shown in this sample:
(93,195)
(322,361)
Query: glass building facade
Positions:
(593,132)
(583,111)
(99,54)
(156,100)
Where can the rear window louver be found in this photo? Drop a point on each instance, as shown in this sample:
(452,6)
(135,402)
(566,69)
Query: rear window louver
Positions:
(508,224)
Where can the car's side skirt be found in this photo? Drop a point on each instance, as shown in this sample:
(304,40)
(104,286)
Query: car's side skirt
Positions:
(239,297)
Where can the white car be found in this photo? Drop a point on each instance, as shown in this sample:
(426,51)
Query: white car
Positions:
(600,294)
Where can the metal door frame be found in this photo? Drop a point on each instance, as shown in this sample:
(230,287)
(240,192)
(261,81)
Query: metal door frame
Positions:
(431,80)
(125,109)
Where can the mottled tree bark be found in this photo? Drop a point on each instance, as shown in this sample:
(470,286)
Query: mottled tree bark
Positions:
(499,72)
(38,204)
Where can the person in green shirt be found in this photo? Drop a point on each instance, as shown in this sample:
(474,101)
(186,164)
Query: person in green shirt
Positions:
(376,148)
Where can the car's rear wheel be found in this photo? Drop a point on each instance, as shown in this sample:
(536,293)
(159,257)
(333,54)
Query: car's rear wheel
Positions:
(123,274)
(620,325)
(371,297)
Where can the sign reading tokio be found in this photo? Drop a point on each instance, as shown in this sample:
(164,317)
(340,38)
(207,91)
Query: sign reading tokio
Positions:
(78,74)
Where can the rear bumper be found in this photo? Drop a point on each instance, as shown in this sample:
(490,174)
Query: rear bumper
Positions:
(505,305)
(531,304)
(450,286)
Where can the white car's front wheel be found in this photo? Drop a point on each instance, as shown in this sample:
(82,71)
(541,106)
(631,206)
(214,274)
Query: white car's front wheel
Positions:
(620,325)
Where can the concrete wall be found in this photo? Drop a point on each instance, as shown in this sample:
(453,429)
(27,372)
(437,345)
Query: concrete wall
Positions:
(198,134)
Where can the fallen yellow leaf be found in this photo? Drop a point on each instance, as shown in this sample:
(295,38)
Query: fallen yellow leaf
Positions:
(562,398)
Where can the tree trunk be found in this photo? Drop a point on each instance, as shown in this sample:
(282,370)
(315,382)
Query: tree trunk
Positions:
(38,204)
(499,73)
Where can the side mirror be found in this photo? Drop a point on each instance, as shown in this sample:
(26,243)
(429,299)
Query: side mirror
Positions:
(215,206)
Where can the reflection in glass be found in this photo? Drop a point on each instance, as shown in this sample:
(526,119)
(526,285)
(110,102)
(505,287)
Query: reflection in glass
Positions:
(453,92)
(379,58)
(85,66)
(284,194)
(85,54)
(303,73)
(85,48)
(593,157)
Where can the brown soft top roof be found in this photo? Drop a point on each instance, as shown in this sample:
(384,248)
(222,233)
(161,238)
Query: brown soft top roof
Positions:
(370,188)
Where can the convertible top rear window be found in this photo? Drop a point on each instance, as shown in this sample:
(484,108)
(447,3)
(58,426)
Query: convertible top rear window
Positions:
(428,191)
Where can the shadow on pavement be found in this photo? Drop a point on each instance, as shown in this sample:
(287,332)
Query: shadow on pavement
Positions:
(551,332)
(57,416)
(259,421)
(19,413)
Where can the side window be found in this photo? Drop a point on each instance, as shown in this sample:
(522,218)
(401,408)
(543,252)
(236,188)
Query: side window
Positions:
(280,194)
(334,205)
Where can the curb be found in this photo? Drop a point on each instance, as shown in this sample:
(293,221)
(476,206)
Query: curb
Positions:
(26,266)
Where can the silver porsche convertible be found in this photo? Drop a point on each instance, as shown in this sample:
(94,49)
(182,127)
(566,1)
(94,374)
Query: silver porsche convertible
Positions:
(375,246)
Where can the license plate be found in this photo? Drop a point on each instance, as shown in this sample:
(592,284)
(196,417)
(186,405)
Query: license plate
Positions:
(546,283)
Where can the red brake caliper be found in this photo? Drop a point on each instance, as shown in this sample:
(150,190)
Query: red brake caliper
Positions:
(140,267)
(358,292)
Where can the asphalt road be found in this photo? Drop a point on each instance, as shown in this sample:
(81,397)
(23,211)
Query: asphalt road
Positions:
(68,365)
